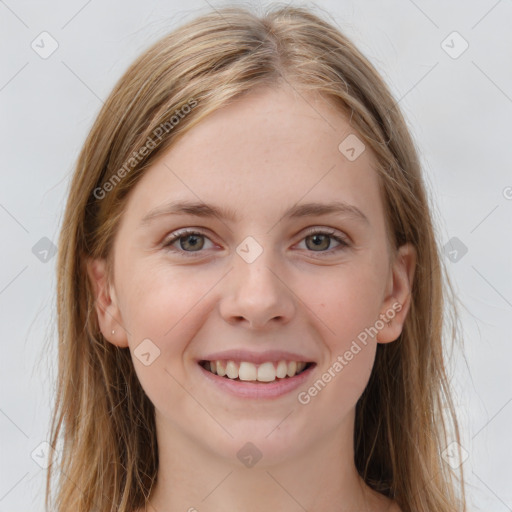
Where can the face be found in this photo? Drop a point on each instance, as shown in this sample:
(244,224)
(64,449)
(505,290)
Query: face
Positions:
(263,280)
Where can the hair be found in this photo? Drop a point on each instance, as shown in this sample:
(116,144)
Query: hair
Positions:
(405,416)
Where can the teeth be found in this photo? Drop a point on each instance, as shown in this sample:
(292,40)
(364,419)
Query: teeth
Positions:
(292,369)
(232,370)
(219,368)
(282,369)
(266,372)
(247,371)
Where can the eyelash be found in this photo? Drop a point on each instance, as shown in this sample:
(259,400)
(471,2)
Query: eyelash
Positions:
(192,254)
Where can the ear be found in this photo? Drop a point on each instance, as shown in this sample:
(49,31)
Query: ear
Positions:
(398,294)
(107,309)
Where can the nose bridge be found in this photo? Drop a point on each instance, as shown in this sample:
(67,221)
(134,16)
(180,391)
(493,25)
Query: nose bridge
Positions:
(252,270)
(256,292)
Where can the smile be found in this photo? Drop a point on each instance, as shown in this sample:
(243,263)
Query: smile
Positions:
(245,371)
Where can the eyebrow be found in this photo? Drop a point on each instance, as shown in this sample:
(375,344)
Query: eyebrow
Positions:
(200,209)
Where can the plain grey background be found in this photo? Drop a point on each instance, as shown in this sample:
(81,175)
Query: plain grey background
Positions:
(448,64)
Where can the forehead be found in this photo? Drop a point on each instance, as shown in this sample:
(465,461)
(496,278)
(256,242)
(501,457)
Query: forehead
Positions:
(266,151)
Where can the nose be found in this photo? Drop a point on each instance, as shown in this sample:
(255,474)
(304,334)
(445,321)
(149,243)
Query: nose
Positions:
(256,295)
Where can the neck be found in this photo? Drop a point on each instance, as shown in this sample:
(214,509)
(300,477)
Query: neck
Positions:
(315,477)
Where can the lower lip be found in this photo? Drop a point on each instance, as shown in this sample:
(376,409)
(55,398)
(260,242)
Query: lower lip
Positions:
(258,390)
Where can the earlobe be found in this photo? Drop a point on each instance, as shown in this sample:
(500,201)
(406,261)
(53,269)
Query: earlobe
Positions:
(397,303)
(107,310)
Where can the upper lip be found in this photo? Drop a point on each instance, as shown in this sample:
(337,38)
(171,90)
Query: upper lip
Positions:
(255,357)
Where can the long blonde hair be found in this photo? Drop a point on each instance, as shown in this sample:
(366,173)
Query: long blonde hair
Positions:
(405,416)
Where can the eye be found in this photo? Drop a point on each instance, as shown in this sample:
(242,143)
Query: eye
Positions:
(321,239)
(189,241)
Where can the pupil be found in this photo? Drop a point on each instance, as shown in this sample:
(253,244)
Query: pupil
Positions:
(193,241)
(318,239)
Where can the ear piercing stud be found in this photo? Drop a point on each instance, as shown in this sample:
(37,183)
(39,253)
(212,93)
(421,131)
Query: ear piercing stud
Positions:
(113,331)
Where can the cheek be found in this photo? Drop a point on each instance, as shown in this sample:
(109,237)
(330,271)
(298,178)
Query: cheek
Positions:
(347,300)
(347,305)
(160,310)
(159,302)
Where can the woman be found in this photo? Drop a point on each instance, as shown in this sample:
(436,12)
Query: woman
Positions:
(250,296)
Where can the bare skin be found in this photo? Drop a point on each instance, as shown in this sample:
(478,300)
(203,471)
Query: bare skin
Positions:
(260,156)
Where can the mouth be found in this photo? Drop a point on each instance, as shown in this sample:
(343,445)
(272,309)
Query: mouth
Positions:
(264,373)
